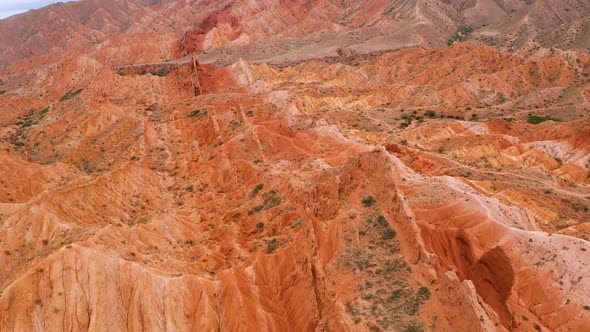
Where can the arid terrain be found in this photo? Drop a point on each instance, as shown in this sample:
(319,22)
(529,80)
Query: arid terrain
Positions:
(296,165)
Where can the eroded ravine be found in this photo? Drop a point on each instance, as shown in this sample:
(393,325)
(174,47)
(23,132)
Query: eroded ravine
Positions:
(268,203)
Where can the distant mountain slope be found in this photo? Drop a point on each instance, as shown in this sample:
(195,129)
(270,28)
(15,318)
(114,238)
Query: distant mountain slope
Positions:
(508,25)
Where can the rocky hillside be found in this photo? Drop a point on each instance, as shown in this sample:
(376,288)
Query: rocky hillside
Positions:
(291,166)
(372,24)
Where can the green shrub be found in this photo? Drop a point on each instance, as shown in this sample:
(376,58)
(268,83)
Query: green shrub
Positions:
(395,295)
(389,234)
(414,326)
(381,221)
(162,72)
(198,113)
(257,189)
(44,111)
(460,35)
(535,119)
(423,293)
(271,202)
(70,94)
(272,245)
(260,224)
(368,201)
(296,224)
(27,123)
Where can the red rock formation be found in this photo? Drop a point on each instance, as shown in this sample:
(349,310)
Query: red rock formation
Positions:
(311,185)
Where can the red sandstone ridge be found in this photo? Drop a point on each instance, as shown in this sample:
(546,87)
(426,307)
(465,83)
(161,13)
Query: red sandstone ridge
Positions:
(295,166)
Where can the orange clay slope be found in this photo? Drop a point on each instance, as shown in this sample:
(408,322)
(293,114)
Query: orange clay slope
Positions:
(324,196)
(319,166)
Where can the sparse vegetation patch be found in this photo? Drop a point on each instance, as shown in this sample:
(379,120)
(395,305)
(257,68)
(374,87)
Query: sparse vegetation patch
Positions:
(368,201)
(460,35)
(70,94)
(198,113)
(535,119)
(257,189)
(387,301)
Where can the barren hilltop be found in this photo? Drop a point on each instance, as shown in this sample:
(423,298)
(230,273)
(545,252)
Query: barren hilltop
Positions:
(295,165)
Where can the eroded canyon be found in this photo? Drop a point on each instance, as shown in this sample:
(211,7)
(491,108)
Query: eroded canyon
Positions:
(295,166)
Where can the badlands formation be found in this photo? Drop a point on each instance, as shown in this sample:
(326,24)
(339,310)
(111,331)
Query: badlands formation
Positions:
(295,165)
